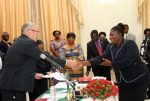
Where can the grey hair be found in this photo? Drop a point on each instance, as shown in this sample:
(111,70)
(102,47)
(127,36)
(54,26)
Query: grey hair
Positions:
(27,26)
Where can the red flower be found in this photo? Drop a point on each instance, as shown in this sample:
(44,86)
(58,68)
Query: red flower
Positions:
(93,94)
(100,88)
(97,94)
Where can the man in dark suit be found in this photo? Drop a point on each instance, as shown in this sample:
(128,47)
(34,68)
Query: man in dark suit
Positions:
(4,44)
(1,58)
(145,53)
(95,48)
(17,76)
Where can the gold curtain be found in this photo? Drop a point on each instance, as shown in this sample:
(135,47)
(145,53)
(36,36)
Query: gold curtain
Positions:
(13,14)
(144,13)
(50,15)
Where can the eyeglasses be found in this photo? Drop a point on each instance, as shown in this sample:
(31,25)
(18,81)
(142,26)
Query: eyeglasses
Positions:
(34,30)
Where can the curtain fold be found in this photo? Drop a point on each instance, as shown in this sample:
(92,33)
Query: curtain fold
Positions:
(144,13)
(50,15)
(13,14)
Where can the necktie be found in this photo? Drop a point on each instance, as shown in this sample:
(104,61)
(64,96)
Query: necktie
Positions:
(8,45)
(99,48)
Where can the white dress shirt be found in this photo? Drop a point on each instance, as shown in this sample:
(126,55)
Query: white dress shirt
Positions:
(0,63)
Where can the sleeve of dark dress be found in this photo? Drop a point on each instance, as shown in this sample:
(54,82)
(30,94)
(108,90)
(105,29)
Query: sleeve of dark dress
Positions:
(131,54)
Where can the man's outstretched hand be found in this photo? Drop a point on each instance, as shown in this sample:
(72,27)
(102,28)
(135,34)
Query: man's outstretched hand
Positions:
(75,65)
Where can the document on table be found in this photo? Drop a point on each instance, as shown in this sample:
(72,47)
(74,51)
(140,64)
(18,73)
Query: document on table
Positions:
(55,75)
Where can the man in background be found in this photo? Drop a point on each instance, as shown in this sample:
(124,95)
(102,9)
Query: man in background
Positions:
(145,53)
(128,35)
(95,48)
(4,44)
(102,36)
(0,70)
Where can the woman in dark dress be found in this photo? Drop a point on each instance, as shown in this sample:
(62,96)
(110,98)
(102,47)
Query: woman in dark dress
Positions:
(123,55)
(42,67)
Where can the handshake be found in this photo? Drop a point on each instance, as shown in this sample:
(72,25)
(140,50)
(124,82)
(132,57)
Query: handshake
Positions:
(75,64)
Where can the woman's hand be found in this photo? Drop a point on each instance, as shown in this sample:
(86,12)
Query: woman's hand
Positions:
(106,62)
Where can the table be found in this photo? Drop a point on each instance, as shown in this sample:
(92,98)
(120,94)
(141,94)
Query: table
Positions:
(62,92)
(60,95)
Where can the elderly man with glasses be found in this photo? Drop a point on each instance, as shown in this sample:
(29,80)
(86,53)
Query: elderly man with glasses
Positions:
(17,76)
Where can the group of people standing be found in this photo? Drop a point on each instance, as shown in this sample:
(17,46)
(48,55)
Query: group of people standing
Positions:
(25,72)
(121,55)
(68,49)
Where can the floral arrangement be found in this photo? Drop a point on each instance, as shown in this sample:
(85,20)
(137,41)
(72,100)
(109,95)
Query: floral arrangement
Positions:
(100,89)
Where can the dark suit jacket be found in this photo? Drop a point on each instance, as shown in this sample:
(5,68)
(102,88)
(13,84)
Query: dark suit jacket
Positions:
(20,65)
(146,53)
(93,52)
(125,60)
(4,47)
